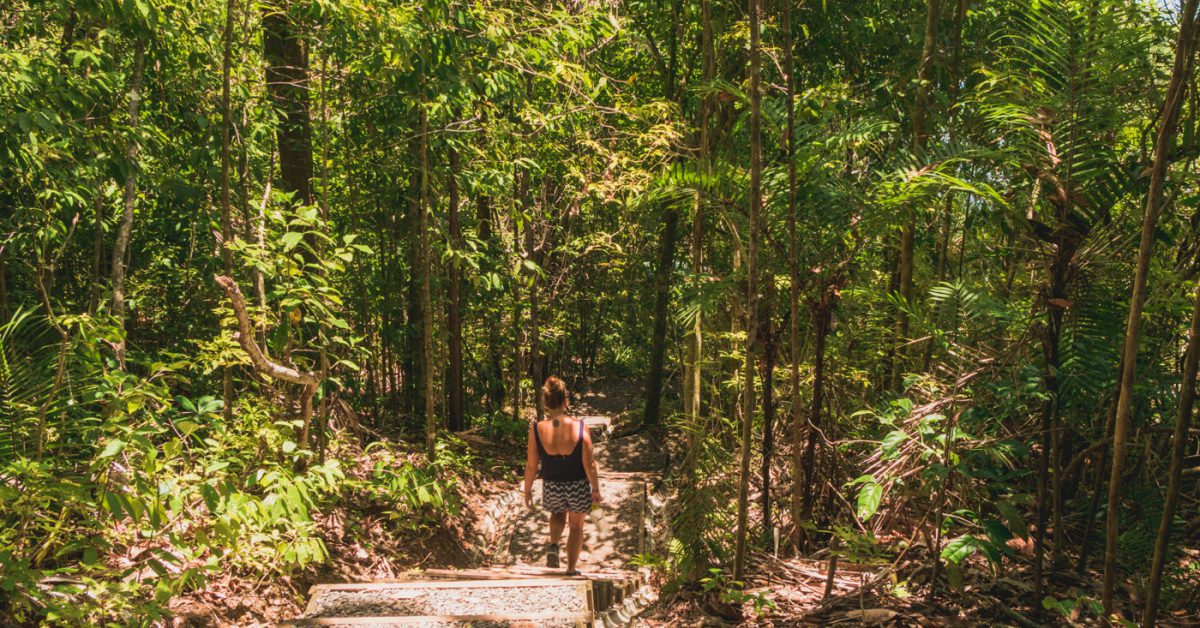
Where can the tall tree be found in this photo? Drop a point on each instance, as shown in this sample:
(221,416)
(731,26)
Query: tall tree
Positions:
(129,202)
(426,270)
(226,201)
(748,401)
(789,65)
(668,238)
(454,372)
(920,140)
(1164,145)
(286,54)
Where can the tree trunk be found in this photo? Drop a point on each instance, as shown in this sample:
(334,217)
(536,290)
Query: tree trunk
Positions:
(767,344)
(1187,401)
(920,138)
(822,315)
(521,180)
(666,252)
(739,561)
(1176,90)
(662,293)
(427,357)
(789,62)
(226,204)
(287,90)
(1056,292)
(454,373)
(125,231)
(97,248)
(694,382)
(412,369)
(535,331)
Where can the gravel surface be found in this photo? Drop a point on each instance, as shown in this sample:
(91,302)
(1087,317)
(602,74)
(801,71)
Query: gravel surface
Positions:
(540,622)
(467,599)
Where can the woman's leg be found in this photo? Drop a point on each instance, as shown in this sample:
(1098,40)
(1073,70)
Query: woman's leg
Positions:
(557,521)
(575,539)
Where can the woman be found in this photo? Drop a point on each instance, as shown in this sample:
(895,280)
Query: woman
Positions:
(560,452)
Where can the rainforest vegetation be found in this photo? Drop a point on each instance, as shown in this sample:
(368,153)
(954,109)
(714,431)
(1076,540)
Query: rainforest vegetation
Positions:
(912,287)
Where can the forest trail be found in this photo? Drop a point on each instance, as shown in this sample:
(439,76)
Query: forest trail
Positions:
(512,587)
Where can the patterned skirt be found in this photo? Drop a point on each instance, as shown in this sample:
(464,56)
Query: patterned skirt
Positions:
(573,496)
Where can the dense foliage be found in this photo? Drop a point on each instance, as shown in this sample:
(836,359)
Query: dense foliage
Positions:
(885,254)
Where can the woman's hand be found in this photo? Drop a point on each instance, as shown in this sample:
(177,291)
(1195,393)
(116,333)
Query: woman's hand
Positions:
(529,498)
(596,496)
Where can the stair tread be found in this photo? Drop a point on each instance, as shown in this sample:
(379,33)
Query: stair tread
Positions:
(481,619)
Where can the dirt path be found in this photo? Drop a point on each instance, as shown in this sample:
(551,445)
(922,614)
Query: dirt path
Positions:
(512,587)
(616,528)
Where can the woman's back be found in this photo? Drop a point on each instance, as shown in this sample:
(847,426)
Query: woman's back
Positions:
(560,449)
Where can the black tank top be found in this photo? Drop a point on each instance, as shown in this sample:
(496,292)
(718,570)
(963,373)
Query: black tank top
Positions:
(564,468)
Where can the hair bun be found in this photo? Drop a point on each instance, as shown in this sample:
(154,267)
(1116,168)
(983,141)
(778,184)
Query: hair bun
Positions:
(554,393)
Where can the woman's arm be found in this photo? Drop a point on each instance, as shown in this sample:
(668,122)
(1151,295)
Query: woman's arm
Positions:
(589,466)
(531,466)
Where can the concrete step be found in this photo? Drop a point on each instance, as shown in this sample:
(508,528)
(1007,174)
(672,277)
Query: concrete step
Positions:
(452,598)
(609,588)
(491,620)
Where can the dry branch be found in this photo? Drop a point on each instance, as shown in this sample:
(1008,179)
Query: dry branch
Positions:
(245,337)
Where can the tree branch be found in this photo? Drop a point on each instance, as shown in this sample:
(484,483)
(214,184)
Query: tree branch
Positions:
(245,336)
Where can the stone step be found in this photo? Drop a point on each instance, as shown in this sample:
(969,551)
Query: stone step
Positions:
(451,597)
(490,620)
(609,588)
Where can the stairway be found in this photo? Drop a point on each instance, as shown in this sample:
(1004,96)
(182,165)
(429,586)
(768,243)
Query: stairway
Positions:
(515,590)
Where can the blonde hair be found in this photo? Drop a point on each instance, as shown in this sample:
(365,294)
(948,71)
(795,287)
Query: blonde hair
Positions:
(554,393)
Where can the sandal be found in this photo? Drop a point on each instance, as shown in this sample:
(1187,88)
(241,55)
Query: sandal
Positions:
(573,572)
(552,555)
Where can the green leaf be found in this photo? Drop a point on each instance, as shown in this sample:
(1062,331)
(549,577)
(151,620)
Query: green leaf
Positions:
(892,442)
(114,447)
(288,446)
(291,239)
(868,499)
(959,549)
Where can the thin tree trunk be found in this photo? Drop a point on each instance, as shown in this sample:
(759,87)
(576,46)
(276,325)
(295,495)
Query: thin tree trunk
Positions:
(226,217)
(454,374)
(1055,294)
(125,231)
(1176,90)
(412,368)
(427,356)
(767,344)
(518,367)
(1187,401)
(662,293)
(97,249)
(789,61)
(822,313)
(696,349)
(535,332)
(666,252)
(920,138)
(739,561)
